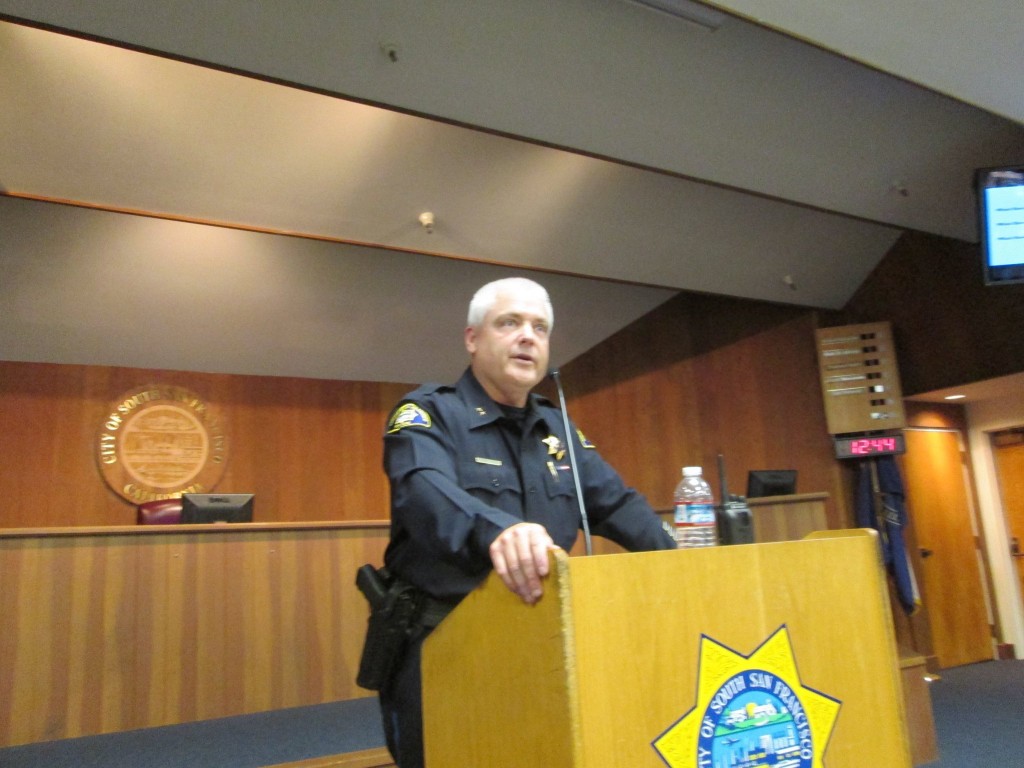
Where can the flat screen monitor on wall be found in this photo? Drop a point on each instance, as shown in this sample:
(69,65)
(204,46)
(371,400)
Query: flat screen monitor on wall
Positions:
(771,482)
(216,508)
(1000,194)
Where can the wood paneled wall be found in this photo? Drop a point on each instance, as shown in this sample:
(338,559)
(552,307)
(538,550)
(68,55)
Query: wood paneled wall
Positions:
(111,629)
(309,449)
(706,375)
(699,376)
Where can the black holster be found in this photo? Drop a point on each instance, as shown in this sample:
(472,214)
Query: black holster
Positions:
(395,609)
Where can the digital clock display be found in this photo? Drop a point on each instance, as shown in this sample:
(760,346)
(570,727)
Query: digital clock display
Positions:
(854,447)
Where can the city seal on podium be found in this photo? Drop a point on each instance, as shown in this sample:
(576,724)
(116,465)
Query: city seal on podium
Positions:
(159,442)
(751,711)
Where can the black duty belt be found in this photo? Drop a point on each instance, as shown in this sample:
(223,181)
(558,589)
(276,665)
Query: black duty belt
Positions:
(434,611)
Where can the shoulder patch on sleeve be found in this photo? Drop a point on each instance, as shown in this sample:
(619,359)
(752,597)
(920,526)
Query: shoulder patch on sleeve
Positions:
(583,439)
(408,415)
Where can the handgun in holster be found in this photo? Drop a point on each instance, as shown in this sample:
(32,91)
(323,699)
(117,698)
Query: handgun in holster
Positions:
(394,609)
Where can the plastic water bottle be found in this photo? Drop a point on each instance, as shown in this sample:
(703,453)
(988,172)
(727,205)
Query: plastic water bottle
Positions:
(694,511)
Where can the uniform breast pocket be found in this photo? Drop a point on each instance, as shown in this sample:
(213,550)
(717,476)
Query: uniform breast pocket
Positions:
(558,483)
(486,481)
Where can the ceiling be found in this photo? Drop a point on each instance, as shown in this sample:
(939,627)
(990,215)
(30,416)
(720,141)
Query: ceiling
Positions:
(627,154)
(999,388)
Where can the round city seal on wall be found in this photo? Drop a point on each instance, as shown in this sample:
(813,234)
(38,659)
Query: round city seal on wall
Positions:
(159,442)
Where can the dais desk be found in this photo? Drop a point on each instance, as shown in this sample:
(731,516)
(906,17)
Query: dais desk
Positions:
(111,629)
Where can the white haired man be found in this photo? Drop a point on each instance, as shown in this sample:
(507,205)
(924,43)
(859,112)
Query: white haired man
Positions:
(480,480)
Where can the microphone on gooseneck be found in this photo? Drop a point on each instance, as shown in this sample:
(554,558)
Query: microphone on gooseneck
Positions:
(553,373)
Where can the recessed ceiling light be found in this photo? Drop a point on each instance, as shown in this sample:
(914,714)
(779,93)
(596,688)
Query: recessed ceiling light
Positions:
(955,397)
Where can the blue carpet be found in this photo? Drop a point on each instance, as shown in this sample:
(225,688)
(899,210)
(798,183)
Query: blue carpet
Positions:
(247,741)
(978,711)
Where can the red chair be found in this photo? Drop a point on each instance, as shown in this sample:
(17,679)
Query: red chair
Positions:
(159,512)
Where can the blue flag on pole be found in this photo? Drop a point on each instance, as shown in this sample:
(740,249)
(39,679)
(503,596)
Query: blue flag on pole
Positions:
(879,503)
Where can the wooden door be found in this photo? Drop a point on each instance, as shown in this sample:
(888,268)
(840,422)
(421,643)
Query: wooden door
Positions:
(1008,449)
(950,564)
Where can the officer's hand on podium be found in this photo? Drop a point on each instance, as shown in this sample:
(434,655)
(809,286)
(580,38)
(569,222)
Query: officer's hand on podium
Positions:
(520,558)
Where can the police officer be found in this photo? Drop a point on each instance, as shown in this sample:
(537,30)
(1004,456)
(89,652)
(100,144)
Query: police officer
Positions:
(480,479)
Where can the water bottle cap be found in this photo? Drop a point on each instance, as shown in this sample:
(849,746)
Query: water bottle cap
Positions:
(692,471)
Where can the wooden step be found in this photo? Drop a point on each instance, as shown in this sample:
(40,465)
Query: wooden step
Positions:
(368,758)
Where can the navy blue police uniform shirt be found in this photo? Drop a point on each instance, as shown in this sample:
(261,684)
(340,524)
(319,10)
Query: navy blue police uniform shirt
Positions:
(462,471)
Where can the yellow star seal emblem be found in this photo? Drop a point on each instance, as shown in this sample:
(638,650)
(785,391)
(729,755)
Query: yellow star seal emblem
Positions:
(751,711)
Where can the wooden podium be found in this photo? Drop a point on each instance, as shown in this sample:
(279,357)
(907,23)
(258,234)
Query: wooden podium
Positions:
(627,651)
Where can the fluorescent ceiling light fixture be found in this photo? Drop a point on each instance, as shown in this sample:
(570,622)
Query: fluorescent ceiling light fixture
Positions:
(687,10)
(955,397)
